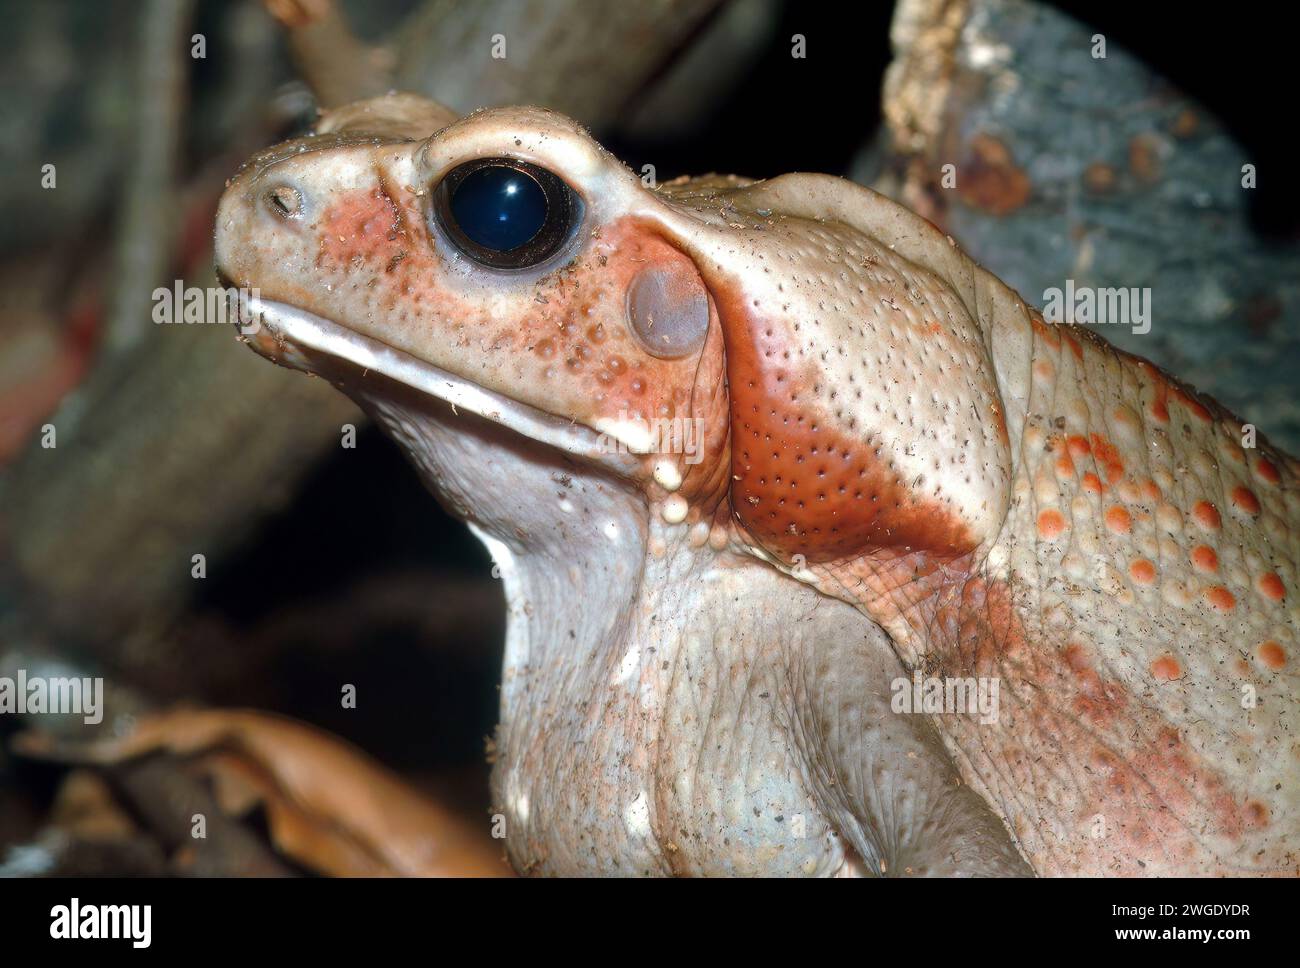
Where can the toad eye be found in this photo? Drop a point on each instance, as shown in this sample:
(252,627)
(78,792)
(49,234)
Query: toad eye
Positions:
(506,214)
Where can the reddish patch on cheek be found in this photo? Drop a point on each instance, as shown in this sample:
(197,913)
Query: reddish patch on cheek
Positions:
(365,225)
(627,377)
(799,485)
(625,380)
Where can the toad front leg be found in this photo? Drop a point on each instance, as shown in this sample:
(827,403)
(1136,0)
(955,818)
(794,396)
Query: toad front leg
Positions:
(882,774)
(738,725)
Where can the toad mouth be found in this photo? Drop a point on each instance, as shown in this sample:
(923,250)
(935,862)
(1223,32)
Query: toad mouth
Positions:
(302,340)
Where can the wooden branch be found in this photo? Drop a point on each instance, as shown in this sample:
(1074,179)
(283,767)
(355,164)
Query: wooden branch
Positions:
(146,221)
(335,64)
(586,58)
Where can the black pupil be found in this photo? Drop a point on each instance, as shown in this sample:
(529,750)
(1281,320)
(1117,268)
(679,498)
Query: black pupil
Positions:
(499,207)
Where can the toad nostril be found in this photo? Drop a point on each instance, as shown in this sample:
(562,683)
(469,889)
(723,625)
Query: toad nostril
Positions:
(284,201)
